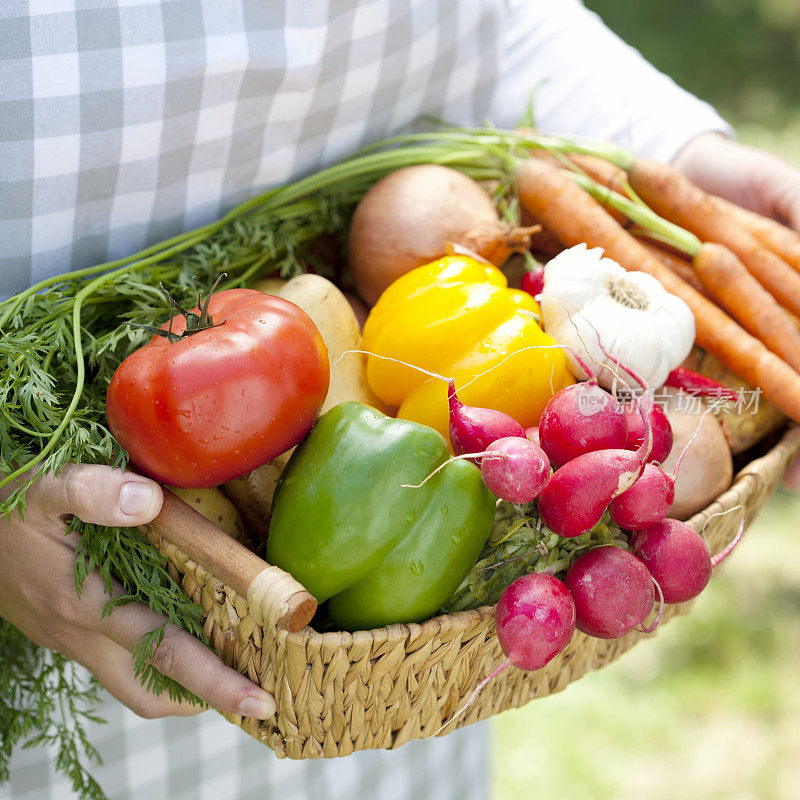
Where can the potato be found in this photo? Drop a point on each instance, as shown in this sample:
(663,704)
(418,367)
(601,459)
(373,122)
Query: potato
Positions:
(707,468)
(334,317)
(252,496)
(217,508)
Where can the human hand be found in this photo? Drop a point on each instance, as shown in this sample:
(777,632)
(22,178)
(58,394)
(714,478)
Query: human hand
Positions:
(38,597)
(752,178)
(745,175)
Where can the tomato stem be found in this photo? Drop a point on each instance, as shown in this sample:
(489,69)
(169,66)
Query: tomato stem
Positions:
(194,322)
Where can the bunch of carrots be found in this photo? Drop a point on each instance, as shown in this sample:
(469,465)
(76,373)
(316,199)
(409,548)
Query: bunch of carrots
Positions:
(737,271)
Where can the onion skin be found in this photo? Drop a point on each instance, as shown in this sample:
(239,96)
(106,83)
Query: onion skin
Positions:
(407,218)
(707,469)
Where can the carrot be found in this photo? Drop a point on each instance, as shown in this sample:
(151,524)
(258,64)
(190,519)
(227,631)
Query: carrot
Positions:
(713,286)
(614,178)
(552,196)
(679,266)
(781,240)
(601,171)
(747,301)
(674,197)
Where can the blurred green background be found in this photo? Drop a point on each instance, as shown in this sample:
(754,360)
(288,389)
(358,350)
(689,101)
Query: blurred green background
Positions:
(710,708)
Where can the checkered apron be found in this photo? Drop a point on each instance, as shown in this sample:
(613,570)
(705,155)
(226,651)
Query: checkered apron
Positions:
(207,758)
(124,123)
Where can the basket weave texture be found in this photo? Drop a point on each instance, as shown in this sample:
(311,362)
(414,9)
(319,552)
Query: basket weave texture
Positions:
(340,692)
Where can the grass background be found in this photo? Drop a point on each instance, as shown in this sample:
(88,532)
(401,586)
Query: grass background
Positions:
(710,708)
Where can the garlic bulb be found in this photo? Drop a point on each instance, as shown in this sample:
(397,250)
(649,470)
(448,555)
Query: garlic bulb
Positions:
(639,323)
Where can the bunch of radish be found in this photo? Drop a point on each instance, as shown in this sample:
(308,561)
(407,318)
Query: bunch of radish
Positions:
(605,458)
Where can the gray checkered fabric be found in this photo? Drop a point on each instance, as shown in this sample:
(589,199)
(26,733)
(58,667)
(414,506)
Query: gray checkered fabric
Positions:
(207,758)
(124,122)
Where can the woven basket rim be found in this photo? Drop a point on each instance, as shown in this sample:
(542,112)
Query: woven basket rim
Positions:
(728,500)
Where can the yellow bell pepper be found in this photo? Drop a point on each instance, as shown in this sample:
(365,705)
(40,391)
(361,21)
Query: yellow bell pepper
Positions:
(456,317)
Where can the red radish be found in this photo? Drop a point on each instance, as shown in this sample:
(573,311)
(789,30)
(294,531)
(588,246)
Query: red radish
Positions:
(535,620)
(662,431)
(515,469)
(647,502)
(651,498)
(677,557)
(532,433)
(612,590)
(579,492)
(579,419)
(657,422)
(696,384)
(473,429)
(533,282)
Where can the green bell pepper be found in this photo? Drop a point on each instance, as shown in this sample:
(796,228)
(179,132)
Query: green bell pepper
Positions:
(344,525)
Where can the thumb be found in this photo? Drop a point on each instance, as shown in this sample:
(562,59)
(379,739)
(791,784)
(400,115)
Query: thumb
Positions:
(96,493)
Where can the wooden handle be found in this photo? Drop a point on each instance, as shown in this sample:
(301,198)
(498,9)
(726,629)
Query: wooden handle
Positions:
(275,598)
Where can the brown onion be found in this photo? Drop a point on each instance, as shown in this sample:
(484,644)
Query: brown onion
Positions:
(407,218)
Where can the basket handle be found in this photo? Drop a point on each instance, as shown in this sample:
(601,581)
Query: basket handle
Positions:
(275,598)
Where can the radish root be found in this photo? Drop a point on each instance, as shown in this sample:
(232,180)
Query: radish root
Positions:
(496,671)
(723,554)
(657,620)
(484,454)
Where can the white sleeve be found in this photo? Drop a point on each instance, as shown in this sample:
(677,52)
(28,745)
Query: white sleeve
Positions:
(585,80)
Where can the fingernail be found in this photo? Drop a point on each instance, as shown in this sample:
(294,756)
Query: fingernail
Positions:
(135,498)
(260,706)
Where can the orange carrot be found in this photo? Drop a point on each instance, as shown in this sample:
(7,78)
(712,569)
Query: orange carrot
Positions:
(575,217)
(614,178)
(747,301)
(679,266)
(674,197)
(601,171)
(781,240)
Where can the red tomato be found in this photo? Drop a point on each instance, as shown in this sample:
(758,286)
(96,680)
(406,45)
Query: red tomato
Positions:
(217,404)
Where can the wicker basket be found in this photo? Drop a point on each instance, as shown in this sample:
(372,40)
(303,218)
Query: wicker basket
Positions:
(340,692)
